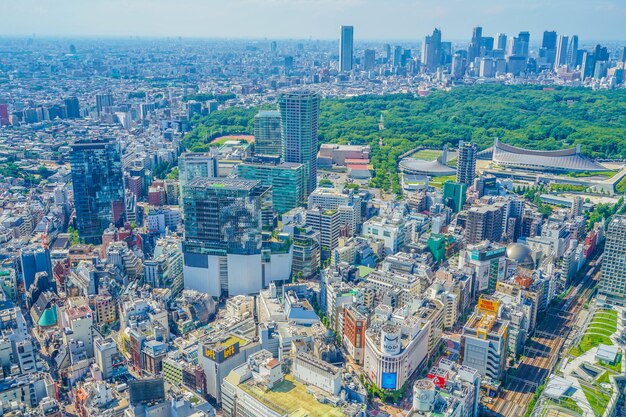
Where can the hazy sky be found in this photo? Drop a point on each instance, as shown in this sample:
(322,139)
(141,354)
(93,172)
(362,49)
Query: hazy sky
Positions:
(319,19)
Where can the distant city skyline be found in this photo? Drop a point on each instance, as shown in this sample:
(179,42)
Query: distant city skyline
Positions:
(318,19)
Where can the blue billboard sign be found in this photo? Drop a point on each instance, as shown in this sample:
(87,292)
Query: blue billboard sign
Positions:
(389,380)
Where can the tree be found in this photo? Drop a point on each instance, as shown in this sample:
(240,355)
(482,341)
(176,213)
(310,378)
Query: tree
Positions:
(521,115)
(44,172)
(325,183)
(74,238)
(173,175)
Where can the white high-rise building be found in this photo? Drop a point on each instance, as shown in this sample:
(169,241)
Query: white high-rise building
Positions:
(613,275)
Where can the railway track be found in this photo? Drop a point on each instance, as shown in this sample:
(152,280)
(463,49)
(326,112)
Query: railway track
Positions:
(544,351)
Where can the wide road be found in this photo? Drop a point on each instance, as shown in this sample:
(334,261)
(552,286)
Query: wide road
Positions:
(542,354)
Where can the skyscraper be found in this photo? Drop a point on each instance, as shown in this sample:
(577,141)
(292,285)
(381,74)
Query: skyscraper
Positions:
(98,185)
(548,46)
(299,112)
(613,272)
(487,43)
(484,223)
(193,165)
(223,237)
(32,261)
(561,51)
(346,49)
(572,51)
(549,39)
(285,178)
(267,139)
(458,66)
(473,51)
(103,101)
(466,163)
(588,65)
(524,42)
(369,59)
(72,107)
(327,222)
(224,215)
(397,56)
(501,41)
(431,51)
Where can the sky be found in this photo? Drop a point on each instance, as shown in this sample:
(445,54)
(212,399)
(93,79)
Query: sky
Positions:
(316,19)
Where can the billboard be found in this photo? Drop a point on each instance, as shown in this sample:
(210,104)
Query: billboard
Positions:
(389,380)
(220,355)
(488,305)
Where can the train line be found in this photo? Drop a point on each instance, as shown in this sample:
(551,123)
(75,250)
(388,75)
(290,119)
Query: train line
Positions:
(543,352)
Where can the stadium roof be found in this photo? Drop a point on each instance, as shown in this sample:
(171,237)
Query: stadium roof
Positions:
(433,168)
(561,160)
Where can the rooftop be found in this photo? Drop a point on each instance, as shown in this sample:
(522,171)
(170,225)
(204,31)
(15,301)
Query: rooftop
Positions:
(560,160)
(487,323)
(223,183)
(435,168)
(291,398)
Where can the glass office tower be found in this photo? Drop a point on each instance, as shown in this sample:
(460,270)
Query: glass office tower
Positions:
(97,180)
(267,139)
(223,215)
(286,180)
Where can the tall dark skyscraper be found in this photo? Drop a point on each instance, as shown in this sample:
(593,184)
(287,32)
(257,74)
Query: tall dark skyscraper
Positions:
(32,261)
(524,41)
(98,185)
(548,46)
(466,163)
(601,53)
(431,51)
(72,107)
(299,111)
(486,43)
(369,59)
(473,51)
(549,39)
(346,49)
(397,56)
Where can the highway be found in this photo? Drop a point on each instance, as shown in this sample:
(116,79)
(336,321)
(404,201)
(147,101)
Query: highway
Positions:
(544,351)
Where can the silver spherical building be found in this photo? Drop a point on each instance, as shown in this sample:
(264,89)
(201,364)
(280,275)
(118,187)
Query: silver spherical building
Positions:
(521,254)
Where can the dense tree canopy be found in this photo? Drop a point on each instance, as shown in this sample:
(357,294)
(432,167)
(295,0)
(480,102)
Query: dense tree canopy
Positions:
(527,116)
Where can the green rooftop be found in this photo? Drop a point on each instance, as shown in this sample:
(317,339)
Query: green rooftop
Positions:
(364,271)
(290,397)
